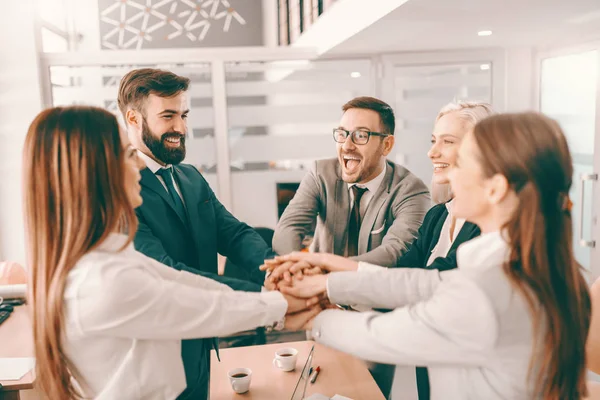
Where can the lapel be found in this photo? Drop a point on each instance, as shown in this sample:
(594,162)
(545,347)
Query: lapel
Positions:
(467,232)
(341,213)
(375,205)
(191,201)
(150,181)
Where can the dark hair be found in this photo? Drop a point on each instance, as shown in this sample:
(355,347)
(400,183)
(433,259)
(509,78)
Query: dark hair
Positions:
(386,114)
(138,84)
(531,151)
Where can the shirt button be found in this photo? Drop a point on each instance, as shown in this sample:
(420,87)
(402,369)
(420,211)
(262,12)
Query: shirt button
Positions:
(317,333)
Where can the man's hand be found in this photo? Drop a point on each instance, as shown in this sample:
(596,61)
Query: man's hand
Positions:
(269,265)
(269,284)
(288,268)
(296,264)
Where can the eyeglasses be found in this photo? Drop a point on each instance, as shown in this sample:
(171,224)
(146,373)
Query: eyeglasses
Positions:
(360,136)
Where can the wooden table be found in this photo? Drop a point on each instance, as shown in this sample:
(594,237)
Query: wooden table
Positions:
(16,340)
(340,373)
(594,390)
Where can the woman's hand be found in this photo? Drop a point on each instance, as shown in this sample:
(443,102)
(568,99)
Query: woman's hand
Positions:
(302,320)
(12,273)
(308,288)
(297,304)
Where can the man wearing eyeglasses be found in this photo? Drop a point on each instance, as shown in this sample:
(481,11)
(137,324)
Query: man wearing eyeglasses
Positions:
(365,206)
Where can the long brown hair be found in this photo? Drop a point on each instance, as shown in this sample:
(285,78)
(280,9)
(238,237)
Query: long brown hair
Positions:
(531,151)
(74,198)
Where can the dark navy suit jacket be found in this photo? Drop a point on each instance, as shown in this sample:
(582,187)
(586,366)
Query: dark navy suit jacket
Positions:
(428,236)
(191,243)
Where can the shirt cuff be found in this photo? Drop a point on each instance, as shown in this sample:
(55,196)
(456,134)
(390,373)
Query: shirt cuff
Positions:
(367,267)
(318,333)
(276,306)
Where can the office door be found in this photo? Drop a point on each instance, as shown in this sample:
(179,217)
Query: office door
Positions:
(569,93)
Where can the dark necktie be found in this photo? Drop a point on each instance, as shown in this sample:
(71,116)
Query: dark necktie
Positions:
(167,176)
(423,383)
(354,224)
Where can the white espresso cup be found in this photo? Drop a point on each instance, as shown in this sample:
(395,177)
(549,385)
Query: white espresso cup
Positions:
(285,359)
(240,379)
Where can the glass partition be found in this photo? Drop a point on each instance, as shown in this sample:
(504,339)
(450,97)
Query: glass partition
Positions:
(419,93)
(99,86)
(568,94)
(281,115)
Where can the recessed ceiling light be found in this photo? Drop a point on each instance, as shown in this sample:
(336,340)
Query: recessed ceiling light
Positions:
(355,74)
(484,33)
(484,67)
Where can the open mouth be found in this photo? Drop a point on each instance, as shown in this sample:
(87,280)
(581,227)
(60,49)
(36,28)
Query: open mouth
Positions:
(439,167)
(351,163)
(173,141)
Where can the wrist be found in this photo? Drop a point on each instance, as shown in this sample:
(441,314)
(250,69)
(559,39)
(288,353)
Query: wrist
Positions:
(276,326)
(327,262)
(322,284)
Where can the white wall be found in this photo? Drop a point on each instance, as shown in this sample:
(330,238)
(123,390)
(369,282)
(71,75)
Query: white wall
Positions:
(518,79)
(258,208)
(269,23)
(20,101)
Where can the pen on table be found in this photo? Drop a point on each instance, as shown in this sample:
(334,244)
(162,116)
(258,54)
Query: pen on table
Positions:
(314,375)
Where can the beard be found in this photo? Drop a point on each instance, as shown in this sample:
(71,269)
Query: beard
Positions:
(160,149)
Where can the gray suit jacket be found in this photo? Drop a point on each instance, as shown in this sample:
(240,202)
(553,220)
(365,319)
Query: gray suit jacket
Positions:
(388,227)
(469,326)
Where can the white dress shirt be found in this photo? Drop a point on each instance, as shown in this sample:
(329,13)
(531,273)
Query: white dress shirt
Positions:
(126,314)
(154,167)
(372,186)
(470,326)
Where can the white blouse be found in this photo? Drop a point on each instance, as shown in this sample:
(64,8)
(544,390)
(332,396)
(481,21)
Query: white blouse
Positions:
(470,326)
(126,315)
(445,241)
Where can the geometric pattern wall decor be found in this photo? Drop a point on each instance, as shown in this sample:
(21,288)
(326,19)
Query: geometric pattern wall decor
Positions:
(138,24)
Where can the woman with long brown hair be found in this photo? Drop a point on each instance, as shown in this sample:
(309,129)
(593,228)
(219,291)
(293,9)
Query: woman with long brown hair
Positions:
(512,321)
(108,321)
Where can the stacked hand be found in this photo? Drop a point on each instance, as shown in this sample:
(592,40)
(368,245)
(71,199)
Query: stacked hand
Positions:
(282,269)
(301,281)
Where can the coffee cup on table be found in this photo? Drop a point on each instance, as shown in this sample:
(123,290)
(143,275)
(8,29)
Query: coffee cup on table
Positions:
(285,359)
(240,379)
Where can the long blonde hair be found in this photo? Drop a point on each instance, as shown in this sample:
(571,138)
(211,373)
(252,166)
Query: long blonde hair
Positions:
(471,112)
(74,198)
